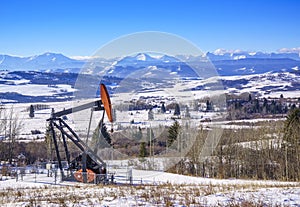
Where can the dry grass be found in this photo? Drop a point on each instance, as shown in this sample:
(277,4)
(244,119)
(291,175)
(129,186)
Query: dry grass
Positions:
(157,195)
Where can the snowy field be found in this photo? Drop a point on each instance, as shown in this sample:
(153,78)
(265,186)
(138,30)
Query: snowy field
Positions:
(79,121)
(149,188)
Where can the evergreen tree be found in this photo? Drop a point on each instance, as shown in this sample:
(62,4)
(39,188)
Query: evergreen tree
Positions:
(177,110)
(31,111)
(173,133)
(163,108)
(105,134)
(208,106)
(237,105)
(293,106)
(143,150)
(256,108)
(250,98)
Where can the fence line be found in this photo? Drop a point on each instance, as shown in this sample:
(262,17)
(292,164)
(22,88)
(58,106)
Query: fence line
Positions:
(53,176)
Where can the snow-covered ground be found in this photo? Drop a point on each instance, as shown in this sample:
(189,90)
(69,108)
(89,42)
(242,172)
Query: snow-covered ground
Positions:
(36,89)
(266,85)
(79,121)
(150,188)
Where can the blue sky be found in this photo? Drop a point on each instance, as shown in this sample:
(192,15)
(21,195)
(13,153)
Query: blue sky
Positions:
(79,28)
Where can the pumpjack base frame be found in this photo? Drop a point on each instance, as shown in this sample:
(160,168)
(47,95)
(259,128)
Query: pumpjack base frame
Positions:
(89,161)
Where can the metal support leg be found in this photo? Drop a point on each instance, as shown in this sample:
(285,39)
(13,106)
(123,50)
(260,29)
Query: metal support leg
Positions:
(84,171)
(65,146)
(56,148)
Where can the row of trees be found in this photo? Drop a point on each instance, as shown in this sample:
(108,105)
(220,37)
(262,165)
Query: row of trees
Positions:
(270,151)
(240,107)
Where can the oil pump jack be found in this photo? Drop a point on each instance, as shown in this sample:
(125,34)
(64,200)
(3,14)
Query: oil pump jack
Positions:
(87,166)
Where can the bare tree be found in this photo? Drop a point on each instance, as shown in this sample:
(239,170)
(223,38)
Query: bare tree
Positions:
(193,155)
(2,121)
(292,145)
(11,126)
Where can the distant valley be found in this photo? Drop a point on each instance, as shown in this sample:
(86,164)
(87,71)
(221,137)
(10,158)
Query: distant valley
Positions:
(52,77)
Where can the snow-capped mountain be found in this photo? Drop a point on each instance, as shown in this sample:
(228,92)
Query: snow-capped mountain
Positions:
(236,63)
(46,61)
(145,65)
(249,66)
(144,59)
(225,62)
(221,54)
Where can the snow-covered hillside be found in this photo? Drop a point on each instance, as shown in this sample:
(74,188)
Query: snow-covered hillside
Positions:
(50,87)
(54,77)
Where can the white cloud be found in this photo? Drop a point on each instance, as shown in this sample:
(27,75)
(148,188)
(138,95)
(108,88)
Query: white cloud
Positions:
(84,57)
(222,51)
(289,50)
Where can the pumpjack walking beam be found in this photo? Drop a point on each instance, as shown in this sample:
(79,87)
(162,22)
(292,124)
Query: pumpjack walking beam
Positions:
(96,105)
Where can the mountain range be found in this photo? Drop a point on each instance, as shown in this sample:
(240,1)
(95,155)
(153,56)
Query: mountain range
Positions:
(52,77)
(226,63)
(44,62)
